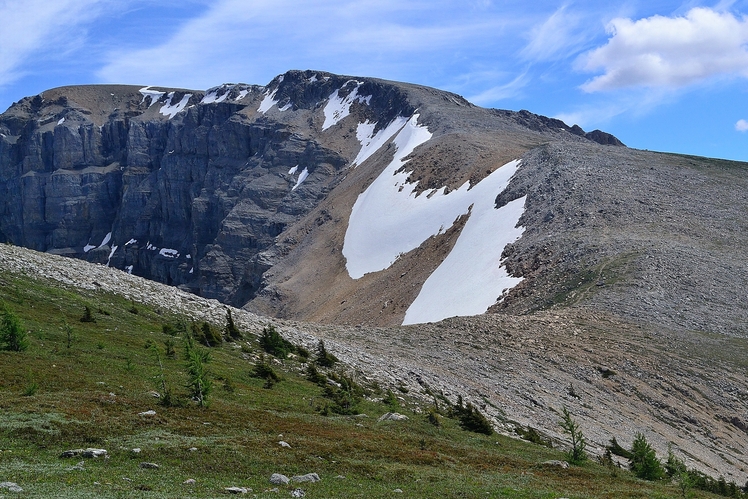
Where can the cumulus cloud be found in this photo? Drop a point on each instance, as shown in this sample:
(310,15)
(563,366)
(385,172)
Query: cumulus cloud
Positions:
(33,26)
(669,51)
(741,126)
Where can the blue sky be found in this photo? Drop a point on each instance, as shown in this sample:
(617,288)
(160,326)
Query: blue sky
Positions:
(660,75)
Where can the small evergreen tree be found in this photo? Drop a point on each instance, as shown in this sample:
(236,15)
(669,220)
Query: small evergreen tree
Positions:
(199,383)
(273,343)
(12,335)
(577,454)
(324,358)
(232,332)
(87,315)
(644,463)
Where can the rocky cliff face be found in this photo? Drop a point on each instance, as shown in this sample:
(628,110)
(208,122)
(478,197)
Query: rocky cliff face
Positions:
(194,188)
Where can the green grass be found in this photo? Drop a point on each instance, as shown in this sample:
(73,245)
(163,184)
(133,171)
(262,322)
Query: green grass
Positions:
(90,395)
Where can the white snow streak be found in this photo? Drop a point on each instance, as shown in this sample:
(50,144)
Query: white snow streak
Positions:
(472,277)
(111,254)
(268,102)
(88,248)
(131,241)
(169,253)
(370,142)
(106,240)
(389,220)
(171,110)
(338,107)
(155,95)
(302,176)
(293,170)
(61,121)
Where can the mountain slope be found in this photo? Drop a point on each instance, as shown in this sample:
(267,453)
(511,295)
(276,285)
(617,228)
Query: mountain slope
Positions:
(225,192)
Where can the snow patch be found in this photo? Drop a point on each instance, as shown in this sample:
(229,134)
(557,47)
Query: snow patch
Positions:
(131,241)
(242,94)
(111,254)
(171,110)
(61,121)
(106,240)
(286,107)
(268,102)
(371,142)
(293,170)
(192,270)
(169,253)
(389,220)
(217,94)
(338,107)
(302,176)
(472,277)
(313,78)
(129,269)
(155,95)
(88,248)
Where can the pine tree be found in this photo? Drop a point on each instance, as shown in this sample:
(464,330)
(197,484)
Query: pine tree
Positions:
(577,453)
(644,463)
(231,330)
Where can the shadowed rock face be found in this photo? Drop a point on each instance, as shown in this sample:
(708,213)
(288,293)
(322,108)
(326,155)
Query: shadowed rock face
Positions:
(194,188)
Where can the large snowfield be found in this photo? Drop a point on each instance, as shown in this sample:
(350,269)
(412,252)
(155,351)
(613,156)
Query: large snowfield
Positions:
(389,219)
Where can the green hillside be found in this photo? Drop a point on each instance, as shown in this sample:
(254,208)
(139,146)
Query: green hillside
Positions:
(85,384)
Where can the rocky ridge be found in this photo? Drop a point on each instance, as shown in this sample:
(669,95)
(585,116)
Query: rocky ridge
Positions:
(221,191)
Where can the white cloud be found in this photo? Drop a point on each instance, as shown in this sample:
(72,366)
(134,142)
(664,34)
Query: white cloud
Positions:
(254,41)
(669,51)
(501,92)
(558,36)
(33,26)
(741,126)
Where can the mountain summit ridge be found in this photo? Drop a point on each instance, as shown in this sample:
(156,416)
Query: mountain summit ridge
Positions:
(191,188)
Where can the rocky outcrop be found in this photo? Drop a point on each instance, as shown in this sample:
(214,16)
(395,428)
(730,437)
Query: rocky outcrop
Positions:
(193,188)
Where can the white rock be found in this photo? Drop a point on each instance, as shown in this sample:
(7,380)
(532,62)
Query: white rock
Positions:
(393,416)
(147,413)
(284,444)
(278,479)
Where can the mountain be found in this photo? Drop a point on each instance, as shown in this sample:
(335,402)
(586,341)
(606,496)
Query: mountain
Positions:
(227,192)
(600,277)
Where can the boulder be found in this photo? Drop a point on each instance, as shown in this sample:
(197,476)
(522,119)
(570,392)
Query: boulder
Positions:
(278,479)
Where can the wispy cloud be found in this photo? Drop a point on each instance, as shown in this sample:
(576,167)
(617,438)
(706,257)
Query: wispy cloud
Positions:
(560,35)
(39,26)
(741,126)
(500,92)
(669,51)
(254,41)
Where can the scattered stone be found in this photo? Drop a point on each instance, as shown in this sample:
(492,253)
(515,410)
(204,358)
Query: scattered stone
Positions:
(136,450)
(298,493)
(393,416)
(237,490)
(147,413)
(189,481)
(192,449)
(149,466)
(555,462)
(154,394)
(309,477)
(78,467)
(87,453)
(278,479)
(340,477)
(126,479)
(11,486)
(398,491)
(284,444)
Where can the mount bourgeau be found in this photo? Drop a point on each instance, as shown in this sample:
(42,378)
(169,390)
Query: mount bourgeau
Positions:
(500,254)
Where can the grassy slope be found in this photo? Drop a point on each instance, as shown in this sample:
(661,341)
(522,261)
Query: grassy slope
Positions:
(89,395)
